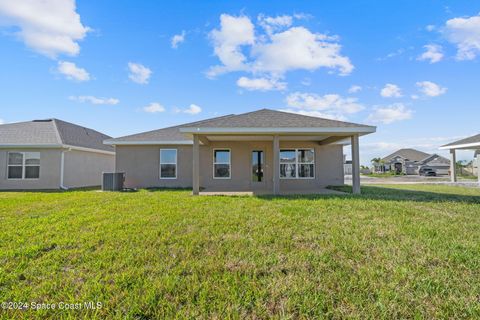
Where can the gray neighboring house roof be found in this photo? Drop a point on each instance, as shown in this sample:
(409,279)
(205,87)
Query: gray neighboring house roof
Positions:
(472,141)
(51,133)
(409,154)
(263,118)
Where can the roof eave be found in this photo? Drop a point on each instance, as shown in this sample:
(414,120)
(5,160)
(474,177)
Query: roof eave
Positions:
(148,142)
(473,145)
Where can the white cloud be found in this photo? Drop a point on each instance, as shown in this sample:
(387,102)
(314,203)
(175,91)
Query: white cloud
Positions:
(329,105)
(275,52)
(72,72)
(354,89)
(261,84)
(234,33)
(177,39)
(334,116)
(2,121)
(154,107)
(95,100)
(50,27)
(433,53)
(271,24)
(414,97)
(430,27)
(430,89)
(193,109)
(389,114)
(391,91)
(465,34)
(299,48)
(139,73)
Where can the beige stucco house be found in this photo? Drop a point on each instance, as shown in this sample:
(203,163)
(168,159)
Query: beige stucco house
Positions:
(263,151)
(52,154)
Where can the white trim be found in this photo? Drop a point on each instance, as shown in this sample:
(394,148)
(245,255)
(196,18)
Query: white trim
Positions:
(229,163)
(290,130)
(160,167)
(30,146)
(297,164)
(23,165)
(54,146)
(460,146)
(151,142)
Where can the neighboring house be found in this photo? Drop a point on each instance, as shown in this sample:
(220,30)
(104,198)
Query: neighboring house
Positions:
(470,143)
(264,151)
(52,154)
(411,161)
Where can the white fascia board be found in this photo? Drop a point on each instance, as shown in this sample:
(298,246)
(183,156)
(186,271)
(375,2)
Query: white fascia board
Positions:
(66,146)
(35,146)
(130,143)
(53,146)
(473,145)
(334,130)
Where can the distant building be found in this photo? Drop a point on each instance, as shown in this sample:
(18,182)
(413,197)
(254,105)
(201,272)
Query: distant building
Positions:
(411,161)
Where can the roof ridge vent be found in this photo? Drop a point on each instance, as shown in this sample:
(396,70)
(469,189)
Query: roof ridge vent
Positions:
(42,120)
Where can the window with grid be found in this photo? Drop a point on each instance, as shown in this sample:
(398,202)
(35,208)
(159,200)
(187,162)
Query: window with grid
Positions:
(23,165)
(297,164)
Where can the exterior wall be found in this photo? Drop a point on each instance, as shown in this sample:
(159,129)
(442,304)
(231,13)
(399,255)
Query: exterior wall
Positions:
(84,169)
(50,160)
(141,163)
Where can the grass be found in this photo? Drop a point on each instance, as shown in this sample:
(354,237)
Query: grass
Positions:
(388,174)
(393,252)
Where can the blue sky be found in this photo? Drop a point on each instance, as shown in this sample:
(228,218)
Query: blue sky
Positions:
(411,68)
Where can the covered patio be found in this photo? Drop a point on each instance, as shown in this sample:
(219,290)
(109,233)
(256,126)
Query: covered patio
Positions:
(205,137)
(470,143)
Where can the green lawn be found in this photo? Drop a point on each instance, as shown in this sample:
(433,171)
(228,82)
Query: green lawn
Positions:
(393,252)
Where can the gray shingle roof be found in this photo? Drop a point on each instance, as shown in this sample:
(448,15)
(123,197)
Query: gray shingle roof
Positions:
(263,118)
(165,134)
(410,154)
(266,118)
(472,139)
(52,132)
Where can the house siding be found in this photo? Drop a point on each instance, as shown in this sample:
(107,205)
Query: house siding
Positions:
(84,169)
(50,160)
(141,163)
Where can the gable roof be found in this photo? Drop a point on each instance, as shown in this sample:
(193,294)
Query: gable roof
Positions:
(473,141)
(265,120)
(407,153)
(52,133)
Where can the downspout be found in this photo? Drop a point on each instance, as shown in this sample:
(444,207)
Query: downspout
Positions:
(62,169)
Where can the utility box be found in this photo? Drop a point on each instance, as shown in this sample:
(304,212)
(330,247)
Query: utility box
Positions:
(113,181)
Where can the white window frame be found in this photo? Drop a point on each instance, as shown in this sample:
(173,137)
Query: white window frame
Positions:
(175,163)
(24,165)
(229,163)
(297,164)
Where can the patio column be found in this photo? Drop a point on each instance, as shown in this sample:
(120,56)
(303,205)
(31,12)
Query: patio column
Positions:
(276,164)
(453,167)
(355,165)
(196,166)
(478,165)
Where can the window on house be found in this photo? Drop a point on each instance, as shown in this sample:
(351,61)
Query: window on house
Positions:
(168,163)
(297,163)
(221,164)
(23,165)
